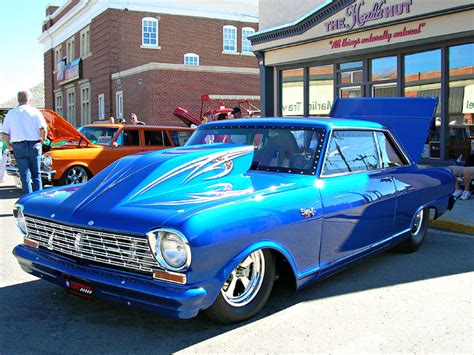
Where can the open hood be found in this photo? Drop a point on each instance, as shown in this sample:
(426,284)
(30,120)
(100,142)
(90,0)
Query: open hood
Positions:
(60,130)
(408,118)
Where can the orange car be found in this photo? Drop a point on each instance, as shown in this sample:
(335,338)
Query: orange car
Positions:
(74,156)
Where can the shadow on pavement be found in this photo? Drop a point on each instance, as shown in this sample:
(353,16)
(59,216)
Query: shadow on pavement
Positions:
(40,317)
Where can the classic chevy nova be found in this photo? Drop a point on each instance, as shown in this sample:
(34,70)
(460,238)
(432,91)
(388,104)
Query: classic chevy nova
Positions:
(208,226)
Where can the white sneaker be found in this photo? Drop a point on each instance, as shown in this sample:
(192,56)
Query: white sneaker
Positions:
(457,193)
(466,195)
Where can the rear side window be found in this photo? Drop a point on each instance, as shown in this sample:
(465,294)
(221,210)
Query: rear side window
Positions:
(179,138)
(156,138)
(129,138)
(390,157)
(351,151)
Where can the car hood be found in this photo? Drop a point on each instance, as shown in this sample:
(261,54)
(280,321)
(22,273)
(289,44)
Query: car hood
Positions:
(408,118)
(61,130)
(144,191)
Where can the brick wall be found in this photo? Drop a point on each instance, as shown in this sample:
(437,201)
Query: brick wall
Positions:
(116,37)
(158,93)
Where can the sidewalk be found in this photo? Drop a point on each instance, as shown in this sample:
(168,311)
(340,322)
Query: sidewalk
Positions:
(459,220)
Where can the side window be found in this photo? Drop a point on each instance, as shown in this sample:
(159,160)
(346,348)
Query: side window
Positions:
(154,138)
(179,138)
(351,151)
(390,156)
(129,138)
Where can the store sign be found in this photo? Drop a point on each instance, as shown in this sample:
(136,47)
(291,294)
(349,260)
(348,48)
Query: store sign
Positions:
(357,16)
(468,102)
(70,72)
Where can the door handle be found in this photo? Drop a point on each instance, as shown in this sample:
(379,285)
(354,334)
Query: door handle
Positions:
(386,179)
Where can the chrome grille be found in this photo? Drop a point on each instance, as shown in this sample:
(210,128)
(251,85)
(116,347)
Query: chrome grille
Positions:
(107,248)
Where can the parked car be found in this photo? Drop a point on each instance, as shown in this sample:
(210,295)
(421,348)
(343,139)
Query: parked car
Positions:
(73,156)
(207,227)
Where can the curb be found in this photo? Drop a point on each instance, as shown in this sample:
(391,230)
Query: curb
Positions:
(453,226)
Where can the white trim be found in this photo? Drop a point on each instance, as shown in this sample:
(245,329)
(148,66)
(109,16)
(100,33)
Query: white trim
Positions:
(119,108)
(86,10)
(252,31)
(86,44)
(145,46)
(192,56)
(85,102)
(101,106)
(229,27)
(230,53)
(182,67)
(156,21)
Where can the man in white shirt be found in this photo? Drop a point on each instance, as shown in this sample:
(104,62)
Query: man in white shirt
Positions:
(24,130)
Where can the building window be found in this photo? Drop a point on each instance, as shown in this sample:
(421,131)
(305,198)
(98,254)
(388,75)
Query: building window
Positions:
(58,103)
(85,104)
(422,73)
(383,74)
(150,32)
(71,105)
(58,57)
(119,104)
(230,39)
(101,106)
(461,101)
(349,75)
(191,59)
(321,90)
(85,42)
(70,49)
(246,44)
(292,92)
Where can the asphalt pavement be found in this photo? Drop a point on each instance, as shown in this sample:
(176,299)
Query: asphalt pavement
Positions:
(397,303)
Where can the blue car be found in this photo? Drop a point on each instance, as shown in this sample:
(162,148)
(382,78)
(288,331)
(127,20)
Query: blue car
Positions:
(209,226)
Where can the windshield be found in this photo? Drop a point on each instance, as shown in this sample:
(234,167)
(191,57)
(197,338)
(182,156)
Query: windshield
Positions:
(98,135)
(288,149)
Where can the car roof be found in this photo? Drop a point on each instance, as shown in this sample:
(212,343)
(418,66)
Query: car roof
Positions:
(322,122)
(118,125)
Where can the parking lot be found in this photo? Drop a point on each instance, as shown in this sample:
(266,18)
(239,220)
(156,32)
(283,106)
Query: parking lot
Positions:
(420,302)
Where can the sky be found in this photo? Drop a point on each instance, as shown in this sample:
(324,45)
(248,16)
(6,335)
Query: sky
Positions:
(21,59)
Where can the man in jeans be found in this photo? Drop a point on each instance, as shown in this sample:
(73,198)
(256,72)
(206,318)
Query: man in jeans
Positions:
(24,130)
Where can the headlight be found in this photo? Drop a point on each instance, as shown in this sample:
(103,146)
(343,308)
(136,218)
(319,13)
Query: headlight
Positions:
(47,160)
(20,219)
(170,248)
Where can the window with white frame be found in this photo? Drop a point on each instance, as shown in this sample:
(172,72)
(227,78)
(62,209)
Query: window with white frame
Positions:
(191,59)
(70,49)
(150,32)
(230,38)
(85,104)
(246,44)
(71,105)
(58,103)
(101,105)
(119,104)
(58,56)
(85,42)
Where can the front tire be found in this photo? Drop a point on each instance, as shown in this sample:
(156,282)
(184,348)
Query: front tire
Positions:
(419,227)
(246,290)
(75,175)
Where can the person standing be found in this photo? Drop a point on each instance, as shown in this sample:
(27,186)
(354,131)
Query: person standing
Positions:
(134,119)
(25,127)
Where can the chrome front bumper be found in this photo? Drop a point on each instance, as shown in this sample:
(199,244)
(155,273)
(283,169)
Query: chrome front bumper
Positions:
(46,175)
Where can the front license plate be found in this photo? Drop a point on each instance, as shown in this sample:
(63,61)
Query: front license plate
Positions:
(79,287)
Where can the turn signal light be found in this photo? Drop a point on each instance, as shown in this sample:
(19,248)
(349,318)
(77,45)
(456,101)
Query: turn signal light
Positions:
(30,243)
(170,277)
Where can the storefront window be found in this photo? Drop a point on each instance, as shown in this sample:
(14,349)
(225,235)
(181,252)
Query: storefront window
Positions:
(321,90)
(350,65)
(461,101)
(423,79)
(292,92)
(384,90)
(350,92)
(383,69)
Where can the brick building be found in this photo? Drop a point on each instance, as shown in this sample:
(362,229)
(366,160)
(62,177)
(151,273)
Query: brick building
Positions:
(111,57)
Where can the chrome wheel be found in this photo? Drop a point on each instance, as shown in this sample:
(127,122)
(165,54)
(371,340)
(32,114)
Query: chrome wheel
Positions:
(417,224)
(245,281)
(76,175)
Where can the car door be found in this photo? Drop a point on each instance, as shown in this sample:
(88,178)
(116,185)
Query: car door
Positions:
(359,197)
(127,142)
